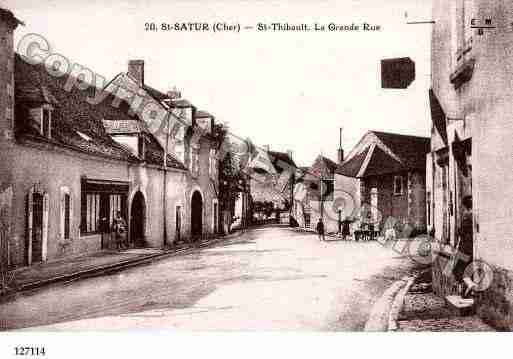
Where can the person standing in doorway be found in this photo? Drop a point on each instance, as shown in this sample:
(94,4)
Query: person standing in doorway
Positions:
(120,230)
(465,247)
(320,229)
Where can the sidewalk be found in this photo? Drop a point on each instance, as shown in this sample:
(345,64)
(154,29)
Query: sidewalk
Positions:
(424,311)
(65,270)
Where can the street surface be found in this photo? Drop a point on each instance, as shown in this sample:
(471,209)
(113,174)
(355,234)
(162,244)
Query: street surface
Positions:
(269,278)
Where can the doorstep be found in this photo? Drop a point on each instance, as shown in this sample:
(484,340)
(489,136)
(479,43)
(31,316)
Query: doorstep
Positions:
(424,311)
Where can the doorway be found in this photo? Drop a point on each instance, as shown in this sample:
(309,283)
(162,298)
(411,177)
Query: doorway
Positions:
(137,220)
(196,215)
(37,220)
(37,227)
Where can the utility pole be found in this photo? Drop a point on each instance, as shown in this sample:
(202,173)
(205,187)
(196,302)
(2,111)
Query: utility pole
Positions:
(322,202)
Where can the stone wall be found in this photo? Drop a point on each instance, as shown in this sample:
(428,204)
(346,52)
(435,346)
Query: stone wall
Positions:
(495,305)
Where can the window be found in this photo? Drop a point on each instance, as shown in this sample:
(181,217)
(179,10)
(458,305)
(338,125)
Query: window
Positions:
(327,189)
(212,164)
(115,206)
(67,215)
(46,122)
(195,162)
(178,222)
(215,215)
(100,200)
(398,185)
(92,212)
(462,31)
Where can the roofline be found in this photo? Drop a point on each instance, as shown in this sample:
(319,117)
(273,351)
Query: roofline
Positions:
(10,15)
(30,139)
(375,133)
(399,134)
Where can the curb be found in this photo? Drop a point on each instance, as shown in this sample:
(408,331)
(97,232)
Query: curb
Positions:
(398,304)
(115,267)
(385,312)
(380,314)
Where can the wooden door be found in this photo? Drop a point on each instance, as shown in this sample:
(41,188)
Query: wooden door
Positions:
(37,227)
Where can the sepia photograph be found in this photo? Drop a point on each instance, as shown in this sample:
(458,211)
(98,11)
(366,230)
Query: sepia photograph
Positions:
(323,168)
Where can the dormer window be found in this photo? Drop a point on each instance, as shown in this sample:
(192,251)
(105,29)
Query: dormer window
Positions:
(46,122)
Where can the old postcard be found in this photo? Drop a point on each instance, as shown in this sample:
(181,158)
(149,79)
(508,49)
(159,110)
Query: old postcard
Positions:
(253,166)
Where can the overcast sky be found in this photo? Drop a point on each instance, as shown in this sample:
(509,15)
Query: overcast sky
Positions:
(289,90)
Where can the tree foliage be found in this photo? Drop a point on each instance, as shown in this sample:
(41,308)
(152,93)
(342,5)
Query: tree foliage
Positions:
(231,178)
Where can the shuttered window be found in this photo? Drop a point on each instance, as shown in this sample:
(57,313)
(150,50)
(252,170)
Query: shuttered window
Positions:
(67,215)
(93,212)
(115,206)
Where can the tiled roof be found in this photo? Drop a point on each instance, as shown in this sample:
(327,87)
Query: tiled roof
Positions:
(381,163)
(203,114)
(352,166)
(280,156)
(9,16)
(156,94)
(160,96)
(329,163)
(125,126)
(73,114)
(181,103)
(155,155)
(36,94)
(411,150)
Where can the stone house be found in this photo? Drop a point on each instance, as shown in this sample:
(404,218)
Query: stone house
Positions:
(187,134)
(272,176)
(68,163)
(319,177)
(471,151)
(67,172)
(390,188)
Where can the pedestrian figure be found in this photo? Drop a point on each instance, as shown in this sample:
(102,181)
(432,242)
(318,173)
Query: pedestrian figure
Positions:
(465,247)
(345,229)
(105,232)
(120,230)
(320,229)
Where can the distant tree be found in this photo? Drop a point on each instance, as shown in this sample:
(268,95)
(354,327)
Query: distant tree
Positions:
(231,181)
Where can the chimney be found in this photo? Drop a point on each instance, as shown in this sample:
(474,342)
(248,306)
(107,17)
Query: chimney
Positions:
(290,153)
(8,23)
(340,151)
(136,70)
(340,155)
